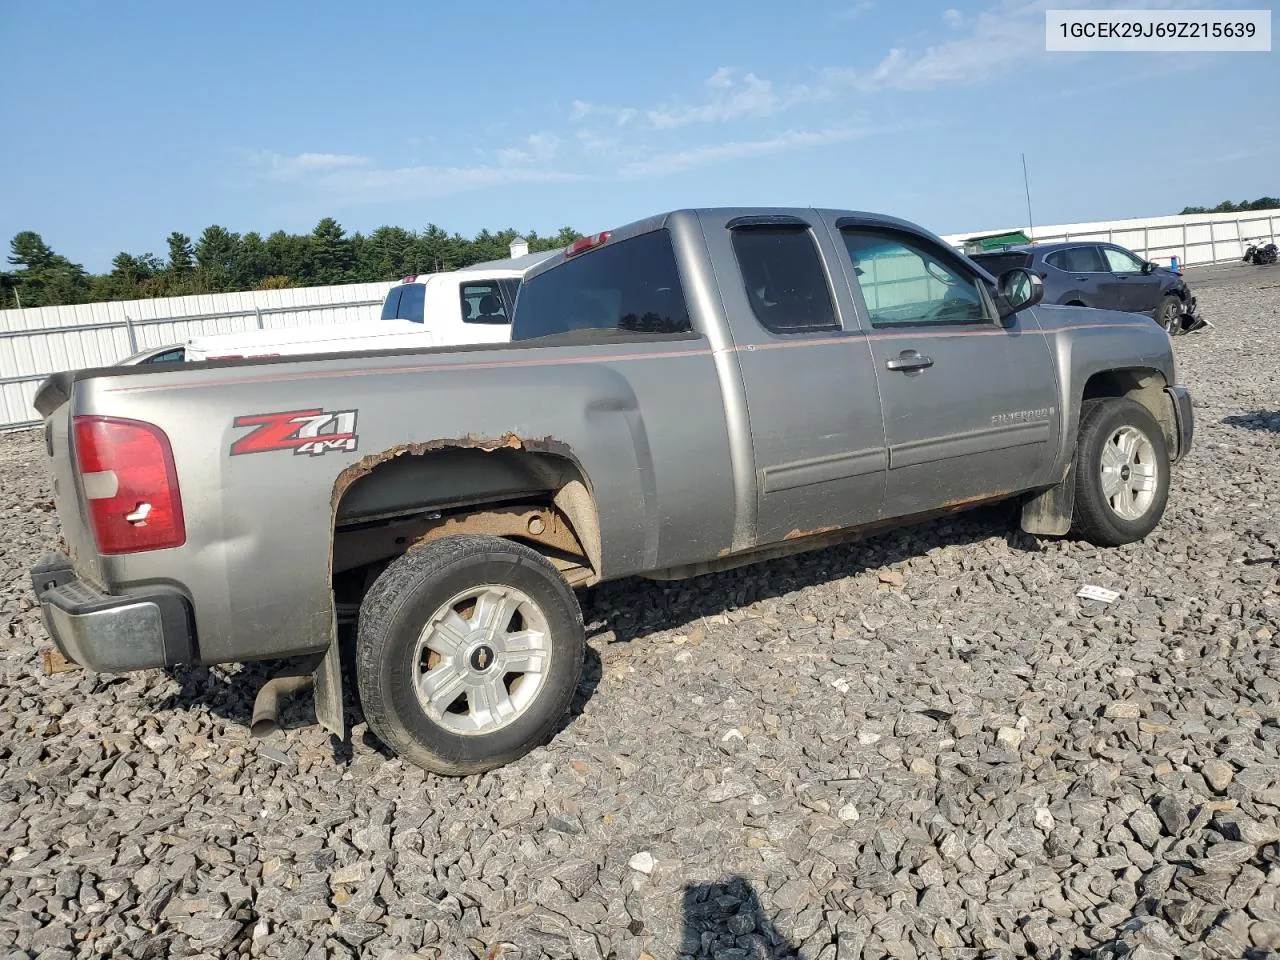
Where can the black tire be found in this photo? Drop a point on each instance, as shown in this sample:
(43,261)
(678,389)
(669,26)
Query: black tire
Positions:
(1095,519)
(392,617)
(1169,315)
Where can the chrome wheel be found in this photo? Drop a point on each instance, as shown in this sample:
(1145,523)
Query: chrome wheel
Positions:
(1129,473)
(481,659)
(1172,319)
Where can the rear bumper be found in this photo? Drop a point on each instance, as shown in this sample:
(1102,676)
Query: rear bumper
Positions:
(1185,420)
(111,633)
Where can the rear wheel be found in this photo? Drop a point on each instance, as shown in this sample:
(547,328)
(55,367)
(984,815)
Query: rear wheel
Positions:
(1122,472)
(468,653)
(1169,315)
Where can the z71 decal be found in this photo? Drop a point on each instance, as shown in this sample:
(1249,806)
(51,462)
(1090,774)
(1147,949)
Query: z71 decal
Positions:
(312,432)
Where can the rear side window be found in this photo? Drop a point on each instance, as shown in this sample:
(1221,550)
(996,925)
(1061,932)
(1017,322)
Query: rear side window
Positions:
(997,263)
(405,302)
(785,282)
(392,303)
(629,285)
(1077,260)
(483,302)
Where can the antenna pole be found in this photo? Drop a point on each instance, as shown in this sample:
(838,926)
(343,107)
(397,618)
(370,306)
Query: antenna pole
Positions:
(1026,183)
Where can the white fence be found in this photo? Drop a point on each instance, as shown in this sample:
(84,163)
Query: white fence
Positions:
(1195,240)
(40,340)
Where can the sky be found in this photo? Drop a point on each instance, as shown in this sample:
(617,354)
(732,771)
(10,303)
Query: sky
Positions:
(120,123)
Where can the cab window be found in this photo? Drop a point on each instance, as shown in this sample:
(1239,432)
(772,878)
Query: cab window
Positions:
(786,285)
(483,302)
(632,285)
(905,282)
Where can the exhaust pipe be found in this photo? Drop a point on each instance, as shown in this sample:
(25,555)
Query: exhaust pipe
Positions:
(266,706)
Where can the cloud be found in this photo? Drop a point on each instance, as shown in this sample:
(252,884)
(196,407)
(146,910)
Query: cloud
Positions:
(429,182)
(596,144)
(999,38)
(538,147)
(357,179)
(859,9)
(987,45)
(729,99)
(279,166)
(752,115)
(678,161)
(581,110)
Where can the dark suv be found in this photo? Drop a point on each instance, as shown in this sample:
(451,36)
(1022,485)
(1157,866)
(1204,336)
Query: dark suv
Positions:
(1102,275)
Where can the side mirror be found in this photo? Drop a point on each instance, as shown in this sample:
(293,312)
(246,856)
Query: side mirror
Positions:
(1149,267)
(1016,290)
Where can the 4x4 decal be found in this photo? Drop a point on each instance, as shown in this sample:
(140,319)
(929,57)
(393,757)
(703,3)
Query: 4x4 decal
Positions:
(312,432)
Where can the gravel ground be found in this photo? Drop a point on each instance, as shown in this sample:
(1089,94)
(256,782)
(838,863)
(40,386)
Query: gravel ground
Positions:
(921,746)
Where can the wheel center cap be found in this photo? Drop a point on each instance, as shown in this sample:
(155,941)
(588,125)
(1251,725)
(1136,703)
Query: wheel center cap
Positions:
(482,658)
(1125,472)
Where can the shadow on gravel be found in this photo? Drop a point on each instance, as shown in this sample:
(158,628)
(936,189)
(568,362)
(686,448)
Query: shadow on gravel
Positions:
(629,609)
(634,607)
(1258,420)
(230,696)
(726,919)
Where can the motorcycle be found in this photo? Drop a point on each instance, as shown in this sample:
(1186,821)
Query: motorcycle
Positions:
(1260,255)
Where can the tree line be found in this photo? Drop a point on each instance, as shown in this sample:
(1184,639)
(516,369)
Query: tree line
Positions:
(220,261)
(1244,206)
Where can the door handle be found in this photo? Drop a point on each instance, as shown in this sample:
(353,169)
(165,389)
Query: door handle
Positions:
(909,361)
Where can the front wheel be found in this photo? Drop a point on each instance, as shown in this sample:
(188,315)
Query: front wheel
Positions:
(1169,315)
(468,653)
(1122,473)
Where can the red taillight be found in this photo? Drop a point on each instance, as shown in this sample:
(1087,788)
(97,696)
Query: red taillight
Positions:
(584,244)
(130,485)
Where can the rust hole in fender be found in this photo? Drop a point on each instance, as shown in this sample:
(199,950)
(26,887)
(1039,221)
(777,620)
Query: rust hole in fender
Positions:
(508,441)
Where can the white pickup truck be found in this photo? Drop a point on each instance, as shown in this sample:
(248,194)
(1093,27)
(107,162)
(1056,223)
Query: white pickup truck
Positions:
(449,309)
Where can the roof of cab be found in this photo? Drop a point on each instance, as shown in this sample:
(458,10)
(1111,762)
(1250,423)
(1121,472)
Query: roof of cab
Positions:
(730,214)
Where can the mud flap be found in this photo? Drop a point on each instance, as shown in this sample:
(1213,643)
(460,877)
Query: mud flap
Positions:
(328,691)
(1048,513)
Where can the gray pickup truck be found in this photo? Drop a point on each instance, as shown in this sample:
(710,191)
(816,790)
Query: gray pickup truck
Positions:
(689,393)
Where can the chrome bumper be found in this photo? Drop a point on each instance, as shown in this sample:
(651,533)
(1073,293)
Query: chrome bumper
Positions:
(111,633)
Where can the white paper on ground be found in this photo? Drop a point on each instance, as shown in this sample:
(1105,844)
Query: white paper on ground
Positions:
(1090,592)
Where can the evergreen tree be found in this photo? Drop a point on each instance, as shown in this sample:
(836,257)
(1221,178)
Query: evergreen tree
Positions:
(331,255)
(47,279)
(215,255)
(224,261)
(182,258)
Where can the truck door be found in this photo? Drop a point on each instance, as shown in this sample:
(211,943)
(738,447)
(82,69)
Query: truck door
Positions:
(970,405)
(810,389)
(1083,273)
